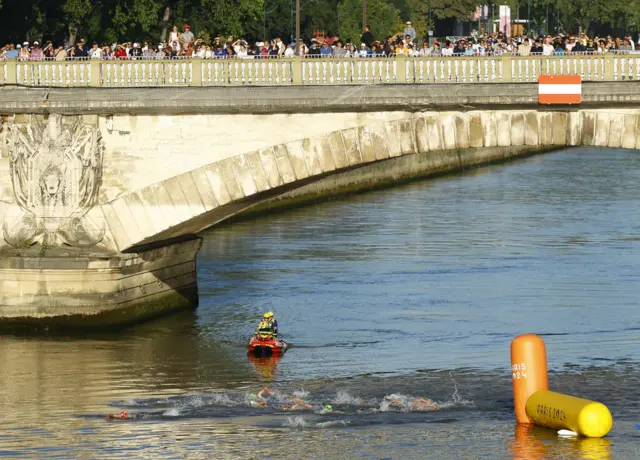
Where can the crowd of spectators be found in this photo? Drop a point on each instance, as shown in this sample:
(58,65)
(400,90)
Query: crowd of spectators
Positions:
(185,45)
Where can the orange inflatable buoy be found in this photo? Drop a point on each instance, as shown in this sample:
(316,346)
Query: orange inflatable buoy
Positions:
(528,371)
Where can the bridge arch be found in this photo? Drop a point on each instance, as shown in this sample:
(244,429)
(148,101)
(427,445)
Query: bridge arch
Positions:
(365,156)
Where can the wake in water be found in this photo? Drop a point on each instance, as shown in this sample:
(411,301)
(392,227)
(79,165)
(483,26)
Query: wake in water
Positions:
(342,408)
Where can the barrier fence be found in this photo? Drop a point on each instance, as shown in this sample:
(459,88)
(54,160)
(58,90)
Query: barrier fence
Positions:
(307,71)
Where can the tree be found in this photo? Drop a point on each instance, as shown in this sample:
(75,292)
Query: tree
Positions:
(382,16)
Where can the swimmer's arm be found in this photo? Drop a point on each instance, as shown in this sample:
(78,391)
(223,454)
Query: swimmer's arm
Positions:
(429,404)
(263,391)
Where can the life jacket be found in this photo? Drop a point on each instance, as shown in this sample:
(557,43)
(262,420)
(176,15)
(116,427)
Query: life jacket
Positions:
(266,325)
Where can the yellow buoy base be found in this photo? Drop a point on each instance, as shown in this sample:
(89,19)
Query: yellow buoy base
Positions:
(558,411)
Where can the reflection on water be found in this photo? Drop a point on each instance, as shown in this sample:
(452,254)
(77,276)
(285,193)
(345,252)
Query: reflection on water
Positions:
(536,443)
(414,292)
(265,365)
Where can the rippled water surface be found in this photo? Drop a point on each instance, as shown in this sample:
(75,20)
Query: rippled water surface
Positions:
(409,292)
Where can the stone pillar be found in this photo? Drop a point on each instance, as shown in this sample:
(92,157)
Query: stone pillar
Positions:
(59,265)
(296,70)
(12,72)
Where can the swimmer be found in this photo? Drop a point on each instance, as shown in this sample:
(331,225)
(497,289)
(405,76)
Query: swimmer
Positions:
(260,400)
(422,404)
(121,416)
(418,404)
(264,391)
(297,404)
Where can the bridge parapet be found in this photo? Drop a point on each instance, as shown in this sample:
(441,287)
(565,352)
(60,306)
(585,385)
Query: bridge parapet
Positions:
(196,72)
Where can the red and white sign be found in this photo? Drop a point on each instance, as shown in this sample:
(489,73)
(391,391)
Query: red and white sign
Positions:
(559,89)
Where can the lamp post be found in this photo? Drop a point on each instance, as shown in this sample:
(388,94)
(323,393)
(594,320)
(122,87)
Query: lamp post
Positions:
(529,18)
(297,27)
(364,14)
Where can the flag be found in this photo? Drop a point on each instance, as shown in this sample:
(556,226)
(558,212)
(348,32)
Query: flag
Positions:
(559,89)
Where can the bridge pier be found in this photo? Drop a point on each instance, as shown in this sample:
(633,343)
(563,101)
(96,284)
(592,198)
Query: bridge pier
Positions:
(75,288)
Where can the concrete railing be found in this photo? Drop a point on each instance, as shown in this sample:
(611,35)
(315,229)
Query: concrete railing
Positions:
(323,71)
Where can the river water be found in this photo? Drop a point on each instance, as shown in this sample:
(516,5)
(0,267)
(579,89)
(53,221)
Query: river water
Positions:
(414,291)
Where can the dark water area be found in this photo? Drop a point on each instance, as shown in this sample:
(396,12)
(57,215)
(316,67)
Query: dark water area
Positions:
(385,297)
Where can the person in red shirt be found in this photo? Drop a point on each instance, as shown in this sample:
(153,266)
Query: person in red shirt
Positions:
(120,52)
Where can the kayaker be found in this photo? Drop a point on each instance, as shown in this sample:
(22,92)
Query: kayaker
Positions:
(121,416)
(268,325)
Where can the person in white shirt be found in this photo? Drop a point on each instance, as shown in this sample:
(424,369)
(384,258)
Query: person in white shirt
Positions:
(290,51)
(95,52)
(240,48)
(363,50)
(547,48)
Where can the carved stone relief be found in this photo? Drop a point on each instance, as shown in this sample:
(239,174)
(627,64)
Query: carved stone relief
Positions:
(56,173)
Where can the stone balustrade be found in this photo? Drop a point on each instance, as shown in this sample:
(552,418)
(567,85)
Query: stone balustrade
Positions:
(308,71)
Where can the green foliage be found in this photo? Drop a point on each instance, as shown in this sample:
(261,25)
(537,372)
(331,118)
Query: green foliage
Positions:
(114,20)
(382,16)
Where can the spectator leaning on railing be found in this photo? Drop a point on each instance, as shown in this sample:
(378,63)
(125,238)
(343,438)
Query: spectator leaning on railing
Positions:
(185,45)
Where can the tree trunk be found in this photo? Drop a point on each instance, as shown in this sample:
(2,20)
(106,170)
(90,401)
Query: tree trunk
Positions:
(73,32)
(165,23)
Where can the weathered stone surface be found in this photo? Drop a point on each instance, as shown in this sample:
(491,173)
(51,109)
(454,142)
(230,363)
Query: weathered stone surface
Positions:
(270,165)
(574,128)
(407,136)
(517,128)
(366,145)
(96,290)
(181,211)
(422,134)
(616,126)
(394,138)
(601,131)
(257,171)
(476,135)
(531,129)
(447,124)
(310,157)
(378,135)
(190,191)
(296,157)
(120,235)
(323,151)
(545,124)
(284,164)
(153,209)
(218,183)
(338,150)
(560,130)
(629,131)
(201,181)
(588,128)
(490,129)
(243,175)
(350,138)
(462,131)
(434,132)
(230,180)
(139,214)
(503,122)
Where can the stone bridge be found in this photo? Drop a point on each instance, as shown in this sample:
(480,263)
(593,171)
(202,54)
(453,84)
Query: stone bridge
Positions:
(174,203)
(100,212)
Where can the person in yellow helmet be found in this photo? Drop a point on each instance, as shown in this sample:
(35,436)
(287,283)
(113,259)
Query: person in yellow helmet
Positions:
(268,325)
